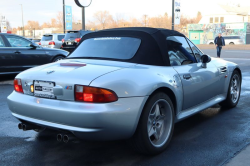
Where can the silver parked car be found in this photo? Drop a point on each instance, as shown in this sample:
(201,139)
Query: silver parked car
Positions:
(52,40)
(124,83)
(230,40)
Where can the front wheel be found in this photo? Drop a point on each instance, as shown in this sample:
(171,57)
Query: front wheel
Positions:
(156,125)
(233,94)
(58,58)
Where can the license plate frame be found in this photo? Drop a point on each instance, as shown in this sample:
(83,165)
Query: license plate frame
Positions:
(44,89)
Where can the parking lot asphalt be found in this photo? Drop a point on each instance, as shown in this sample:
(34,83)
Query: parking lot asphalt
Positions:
(212,137)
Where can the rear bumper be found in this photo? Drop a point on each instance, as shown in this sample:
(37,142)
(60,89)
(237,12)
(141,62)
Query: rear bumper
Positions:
(110,121)
(69,49)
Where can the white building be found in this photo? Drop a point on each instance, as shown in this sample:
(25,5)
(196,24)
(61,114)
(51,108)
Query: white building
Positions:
(37,33)
(227,14)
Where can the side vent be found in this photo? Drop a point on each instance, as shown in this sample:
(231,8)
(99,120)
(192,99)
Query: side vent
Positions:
(223,69)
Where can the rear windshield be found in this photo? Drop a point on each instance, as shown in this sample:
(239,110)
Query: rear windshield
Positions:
(60,37)
(46,38)
(107,48)
(36,40)
(72,35)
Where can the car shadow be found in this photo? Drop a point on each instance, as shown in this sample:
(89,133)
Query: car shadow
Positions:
(109,152)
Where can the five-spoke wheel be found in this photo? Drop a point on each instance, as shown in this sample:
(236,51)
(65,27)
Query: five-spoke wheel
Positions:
(156,125)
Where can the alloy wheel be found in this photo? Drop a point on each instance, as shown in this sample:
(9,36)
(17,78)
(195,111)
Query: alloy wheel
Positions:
(159,123)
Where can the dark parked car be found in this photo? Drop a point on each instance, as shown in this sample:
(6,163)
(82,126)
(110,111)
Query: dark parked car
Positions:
(71,39)
(18,53)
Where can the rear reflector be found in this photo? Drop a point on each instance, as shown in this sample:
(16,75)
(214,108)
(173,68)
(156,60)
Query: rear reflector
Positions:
(18,85)
(94,95)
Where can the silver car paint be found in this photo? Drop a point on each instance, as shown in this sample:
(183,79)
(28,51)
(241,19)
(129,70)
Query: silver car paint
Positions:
(133,83)
(58,43)
(110,121)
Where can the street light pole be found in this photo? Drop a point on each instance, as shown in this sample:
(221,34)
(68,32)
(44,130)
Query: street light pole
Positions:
(22,18)
(172,14)
(83,18)
(63,17)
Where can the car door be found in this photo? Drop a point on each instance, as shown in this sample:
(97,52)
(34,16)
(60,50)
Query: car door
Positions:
(25,55)
(8,62)
(199,84)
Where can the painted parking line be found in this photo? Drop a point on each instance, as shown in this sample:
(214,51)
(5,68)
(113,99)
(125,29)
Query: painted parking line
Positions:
(243,52)
(237,59)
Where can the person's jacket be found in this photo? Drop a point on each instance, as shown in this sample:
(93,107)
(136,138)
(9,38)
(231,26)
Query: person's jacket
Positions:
(222,39)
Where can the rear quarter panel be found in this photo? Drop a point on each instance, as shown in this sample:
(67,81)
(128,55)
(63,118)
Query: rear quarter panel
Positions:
(142,80)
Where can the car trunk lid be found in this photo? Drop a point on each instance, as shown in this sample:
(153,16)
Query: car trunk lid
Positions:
(61,77)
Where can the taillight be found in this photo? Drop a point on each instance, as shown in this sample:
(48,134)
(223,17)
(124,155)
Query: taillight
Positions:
(77,40)
(39,43)
(18,85)
(94,95)
(63,40)
(52,43)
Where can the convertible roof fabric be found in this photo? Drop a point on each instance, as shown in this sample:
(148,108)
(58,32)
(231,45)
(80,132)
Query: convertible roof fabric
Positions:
(153,49)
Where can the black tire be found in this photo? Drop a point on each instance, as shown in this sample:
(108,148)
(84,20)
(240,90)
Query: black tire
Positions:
(141,142)
(211,43)
(231,43)
(229,103)
(57,58)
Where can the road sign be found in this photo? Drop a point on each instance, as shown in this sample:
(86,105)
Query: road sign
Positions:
(3,25)
(177,11)
(68,17)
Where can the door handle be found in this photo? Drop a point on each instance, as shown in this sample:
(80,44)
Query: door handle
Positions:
(187,76)
(17,52)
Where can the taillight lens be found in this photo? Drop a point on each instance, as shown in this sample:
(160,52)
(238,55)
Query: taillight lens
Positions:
(52,43)
(63,40)
(94,95)
(77,40)
(18,85)
(39,43)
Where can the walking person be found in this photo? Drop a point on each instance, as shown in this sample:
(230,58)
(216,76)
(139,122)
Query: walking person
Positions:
(219,42)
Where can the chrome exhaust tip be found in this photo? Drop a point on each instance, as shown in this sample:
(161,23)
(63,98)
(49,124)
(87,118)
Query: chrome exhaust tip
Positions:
(65,138)
(59,137)
(24,127)
(20,126)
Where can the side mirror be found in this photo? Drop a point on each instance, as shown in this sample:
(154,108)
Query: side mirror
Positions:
(204,60)
(32,45)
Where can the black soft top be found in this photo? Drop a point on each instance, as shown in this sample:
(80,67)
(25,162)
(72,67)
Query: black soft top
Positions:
(153,46)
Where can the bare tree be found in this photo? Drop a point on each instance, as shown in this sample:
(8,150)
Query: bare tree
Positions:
(103,17)
(198,17)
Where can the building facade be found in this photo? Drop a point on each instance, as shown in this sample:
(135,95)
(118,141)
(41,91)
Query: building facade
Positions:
(204,33)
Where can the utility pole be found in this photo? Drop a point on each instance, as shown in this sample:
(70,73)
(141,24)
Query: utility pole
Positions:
(34,33)
(83,18)
(22,19)
(172,14)
(63,17)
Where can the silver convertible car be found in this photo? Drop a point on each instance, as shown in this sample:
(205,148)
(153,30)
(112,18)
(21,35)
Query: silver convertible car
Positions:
(125,83)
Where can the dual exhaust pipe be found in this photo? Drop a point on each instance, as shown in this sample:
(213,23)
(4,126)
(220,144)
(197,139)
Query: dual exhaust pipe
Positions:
(65,138)
(26,127)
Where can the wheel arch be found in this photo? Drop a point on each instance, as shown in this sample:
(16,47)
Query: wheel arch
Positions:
(238,69)
(54,57)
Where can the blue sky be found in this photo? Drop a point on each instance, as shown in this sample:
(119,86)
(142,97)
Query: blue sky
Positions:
(44,10)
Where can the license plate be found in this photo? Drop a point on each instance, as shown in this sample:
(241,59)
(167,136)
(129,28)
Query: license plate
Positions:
(69,43)
(44,89)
